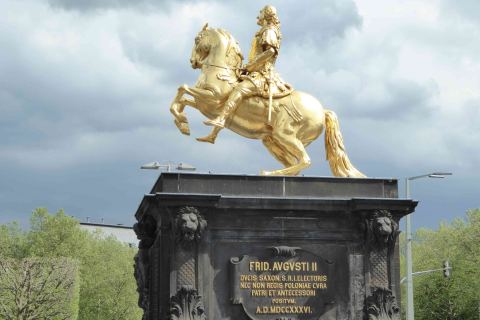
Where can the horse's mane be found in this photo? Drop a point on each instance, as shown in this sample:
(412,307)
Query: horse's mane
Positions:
(234,56)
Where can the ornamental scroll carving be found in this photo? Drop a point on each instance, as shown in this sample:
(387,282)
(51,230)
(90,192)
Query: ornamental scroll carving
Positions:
(285,251)
(187,305)
(382,305)
(381,236)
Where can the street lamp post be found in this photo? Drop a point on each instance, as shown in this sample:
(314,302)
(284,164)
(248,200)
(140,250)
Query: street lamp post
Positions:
(408,230)
(168,166)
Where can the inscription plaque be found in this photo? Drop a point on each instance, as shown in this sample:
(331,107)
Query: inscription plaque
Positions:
(285,283)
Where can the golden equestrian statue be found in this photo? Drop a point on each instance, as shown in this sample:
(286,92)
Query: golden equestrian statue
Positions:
(253,100)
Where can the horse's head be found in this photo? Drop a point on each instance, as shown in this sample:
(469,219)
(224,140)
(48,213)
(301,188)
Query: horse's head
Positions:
(201,47)
(217,44)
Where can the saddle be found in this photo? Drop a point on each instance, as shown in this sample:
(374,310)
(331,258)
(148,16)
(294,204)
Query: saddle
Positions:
(279,87)
(282,102)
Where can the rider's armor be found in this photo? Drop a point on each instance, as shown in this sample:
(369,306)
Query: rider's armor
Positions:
(264,74)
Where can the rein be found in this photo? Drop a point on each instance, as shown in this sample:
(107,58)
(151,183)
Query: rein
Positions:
(226,68)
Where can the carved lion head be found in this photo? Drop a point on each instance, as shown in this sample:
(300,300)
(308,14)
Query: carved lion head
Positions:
(383,227)
(189,224)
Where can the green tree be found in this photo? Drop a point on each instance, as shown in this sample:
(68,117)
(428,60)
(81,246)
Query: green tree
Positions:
(107,285)
(109,290)
(12,241)
(456,297)
(57,235)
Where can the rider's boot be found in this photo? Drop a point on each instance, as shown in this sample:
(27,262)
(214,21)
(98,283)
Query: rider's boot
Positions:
(228,109)
(211,137)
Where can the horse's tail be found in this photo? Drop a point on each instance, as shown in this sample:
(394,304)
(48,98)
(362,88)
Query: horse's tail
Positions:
(337,157)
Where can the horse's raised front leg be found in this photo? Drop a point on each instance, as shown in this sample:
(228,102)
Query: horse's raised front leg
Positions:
(177,107)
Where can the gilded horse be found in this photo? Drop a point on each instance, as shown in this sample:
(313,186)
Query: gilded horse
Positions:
(295,119)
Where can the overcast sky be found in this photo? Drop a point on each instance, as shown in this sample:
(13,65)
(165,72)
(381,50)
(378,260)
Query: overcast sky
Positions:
(85,88)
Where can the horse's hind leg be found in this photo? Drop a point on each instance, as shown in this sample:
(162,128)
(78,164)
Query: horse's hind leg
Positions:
(286,139)
(295,169)
(278,152)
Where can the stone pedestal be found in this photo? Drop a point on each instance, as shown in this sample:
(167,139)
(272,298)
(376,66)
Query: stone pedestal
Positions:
(281,248)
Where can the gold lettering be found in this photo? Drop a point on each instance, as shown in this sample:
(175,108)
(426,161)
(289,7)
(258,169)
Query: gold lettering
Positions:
(319,285)
(289,309)
(274,285)
(245,285)
(259,266)
(258,293)
(248,277)
(298,285)
(258,285)
(283,301)
(269,277)
(294,266)
(296,293)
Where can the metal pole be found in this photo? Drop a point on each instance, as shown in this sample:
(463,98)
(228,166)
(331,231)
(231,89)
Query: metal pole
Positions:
(408,251)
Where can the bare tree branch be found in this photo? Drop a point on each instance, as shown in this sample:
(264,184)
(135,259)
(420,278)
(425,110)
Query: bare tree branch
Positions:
(37,288)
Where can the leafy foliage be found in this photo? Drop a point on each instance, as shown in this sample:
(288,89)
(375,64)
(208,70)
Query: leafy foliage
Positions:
(456,297)
(107,285)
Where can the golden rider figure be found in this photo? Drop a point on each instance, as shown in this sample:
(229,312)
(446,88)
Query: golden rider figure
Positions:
(261,78)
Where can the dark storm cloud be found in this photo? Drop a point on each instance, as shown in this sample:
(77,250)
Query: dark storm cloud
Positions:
(92,5)
(69,77)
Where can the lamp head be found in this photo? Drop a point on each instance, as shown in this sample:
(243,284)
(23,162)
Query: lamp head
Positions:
(440,175)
